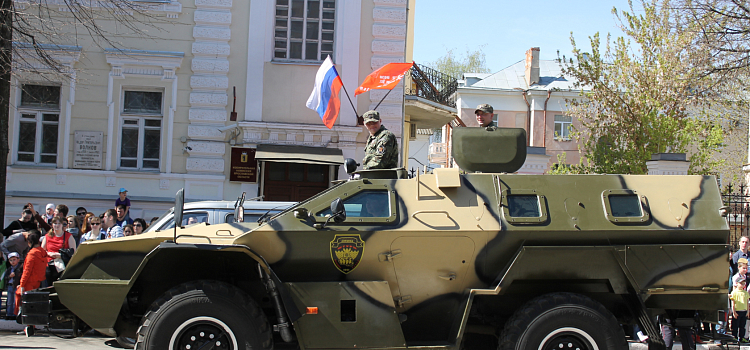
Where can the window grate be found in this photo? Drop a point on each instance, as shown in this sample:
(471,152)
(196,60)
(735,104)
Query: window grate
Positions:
(304,29)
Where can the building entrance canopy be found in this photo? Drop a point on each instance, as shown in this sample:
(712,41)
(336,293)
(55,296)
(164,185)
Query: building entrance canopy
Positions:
(299,154)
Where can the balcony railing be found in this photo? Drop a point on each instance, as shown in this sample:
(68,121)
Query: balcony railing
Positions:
(432,85)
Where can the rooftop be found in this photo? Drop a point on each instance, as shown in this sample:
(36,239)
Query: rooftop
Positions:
(513,77)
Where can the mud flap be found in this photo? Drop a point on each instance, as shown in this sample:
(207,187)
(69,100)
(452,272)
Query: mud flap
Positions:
(638,309)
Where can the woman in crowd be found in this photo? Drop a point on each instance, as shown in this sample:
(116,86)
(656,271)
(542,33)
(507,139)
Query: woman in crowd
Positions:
(128,230)
(56,239)
(74,227)
(33,272)
(96,231)
(86,225)
(139,225)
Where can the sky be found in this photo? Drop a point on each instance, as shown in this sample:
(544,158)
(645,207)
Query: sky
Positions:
(505,30)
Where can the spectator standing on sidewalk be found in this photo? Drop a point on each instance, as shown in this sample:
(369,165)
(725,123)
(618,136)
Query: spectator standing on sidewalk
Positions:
(739,299)
(81,214)
(16,243)
(41,222)
(139,225)
(25,223)
(110,221)
(56,239)
(49,213)
(61,211)
(128,230)
(74,227)
(34,271)
(86,224)
(741,253)
(122,216)
(13,280)
(95,233)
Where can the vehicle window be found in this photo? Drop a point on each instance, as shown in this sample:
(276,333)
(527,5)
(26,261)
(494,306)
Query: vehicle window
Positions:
(249,216)
(189,218)
(625,205)
(524,206)
(373,204)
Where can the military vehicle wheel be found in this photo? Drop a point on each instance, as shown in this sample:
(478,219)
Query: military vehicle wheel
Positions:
(562,321)
(201,313)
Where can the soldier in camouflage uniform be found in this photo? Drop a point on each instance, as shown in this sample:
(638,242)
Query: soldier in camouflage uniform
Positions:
(381,150)
(484,115)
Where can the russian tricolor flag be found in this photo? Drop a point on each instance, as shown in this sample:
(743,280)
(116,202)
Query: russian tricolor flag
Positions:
(324,98)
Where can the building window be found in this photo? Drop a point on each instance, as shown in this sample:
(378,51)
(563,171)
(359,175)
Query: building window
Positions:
(140,137)
(562,127)
(38,122)
(304,29)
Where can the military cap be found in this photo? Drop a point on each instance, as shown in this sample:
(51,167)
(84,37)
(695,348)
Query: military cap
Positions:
(484,108)
(371,116)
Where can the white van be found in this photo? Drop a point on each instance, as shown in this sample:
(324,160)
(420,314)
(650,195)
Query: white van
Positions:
(217,212)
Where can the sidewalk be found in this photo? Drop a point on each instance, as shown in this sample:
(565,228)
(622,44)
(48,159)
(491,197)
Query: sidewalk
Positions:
(677,346)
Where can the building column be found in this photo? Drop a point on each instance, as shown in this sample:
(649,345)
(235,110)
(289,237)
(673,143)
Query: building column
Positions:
(389,45)
(209,85)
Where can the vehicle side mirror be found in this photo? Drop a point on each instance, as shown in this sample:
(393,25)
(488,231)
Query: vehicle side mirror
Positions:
(179,206)
(337,211)
(350,165)
(239,209)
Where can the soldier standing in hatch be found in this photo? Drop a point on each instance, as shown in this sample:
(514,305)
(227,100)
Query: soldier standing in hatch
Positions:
(484,115)
(381,150)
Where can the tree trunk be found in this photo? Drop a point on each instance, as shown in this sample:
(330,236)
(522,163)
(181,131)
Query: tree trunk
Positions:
(6,50)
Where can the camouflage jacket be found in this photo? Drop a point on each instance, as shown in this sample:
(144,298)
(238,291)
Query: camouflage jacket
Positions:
(381,150)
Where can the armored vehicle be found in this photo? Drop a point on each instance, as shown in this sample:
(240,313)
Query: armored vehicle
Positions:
(479,258)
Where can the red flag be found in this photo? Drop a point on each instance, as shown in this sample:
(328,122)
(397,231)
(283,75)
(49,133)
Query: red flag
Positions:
(385,77)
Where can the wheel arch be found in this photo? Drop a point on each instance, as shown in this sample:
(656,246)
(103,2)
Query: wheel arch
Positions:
(170,264)
(592,271)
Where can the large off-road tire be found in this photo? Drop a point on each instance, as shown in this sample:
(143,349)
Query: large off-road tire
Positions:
(197,313)
(562,321)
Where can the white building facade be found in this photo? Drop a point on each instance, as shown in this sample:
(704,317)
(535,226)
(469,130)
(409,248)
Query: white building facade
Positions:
(154,116)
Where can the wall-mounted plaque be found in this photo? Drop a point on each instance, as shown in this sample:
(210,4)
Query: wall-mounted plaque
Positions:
(88,150)
(244,167)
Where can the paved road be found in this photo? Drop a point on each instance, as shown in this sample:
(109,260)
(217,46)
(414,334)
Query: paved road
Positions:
(10,340)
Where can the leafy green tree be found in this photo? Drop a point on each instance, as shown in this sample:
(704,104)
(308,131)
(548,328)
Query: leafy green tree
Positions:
(456,65)
(648,93)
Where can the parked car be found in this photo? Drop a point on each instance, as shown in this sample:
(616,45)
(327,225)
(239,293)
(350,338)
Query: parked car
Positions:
(217,212)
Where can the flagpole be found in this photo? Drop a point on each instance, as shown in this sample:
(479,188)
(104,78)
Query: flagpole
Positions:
(347,96)
(383,99)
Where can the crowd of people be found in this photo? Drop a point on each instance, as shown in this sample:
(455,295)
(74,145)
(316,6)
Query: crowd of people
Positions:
(739,291)
(36,247)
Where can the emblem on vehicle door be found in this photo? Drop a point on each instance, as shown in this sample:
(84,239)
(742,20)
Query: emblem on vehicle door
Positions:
(346,252)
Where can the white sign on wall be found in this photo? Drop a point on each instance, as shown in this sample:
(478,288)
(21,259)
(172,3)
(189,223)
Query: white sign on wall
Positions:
(88,150)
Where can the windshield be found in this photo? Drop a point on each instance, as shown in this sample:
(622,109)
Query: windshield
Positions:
(301,204)
(156,225)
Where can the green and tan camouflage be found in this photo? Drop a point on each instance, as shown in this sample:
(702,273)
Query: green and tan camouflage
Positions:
(444,260)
